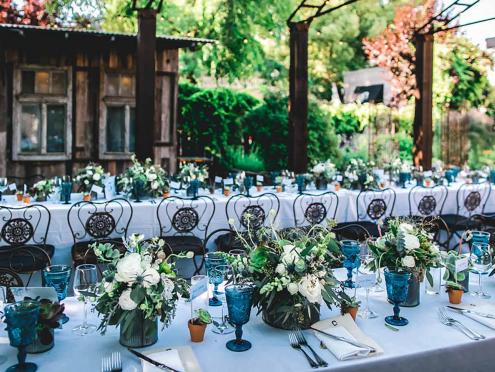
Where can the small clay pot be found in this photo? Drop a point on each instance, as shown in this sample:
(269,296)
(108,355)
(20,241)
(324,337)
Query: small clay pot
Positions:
(350,310)
(279,188)
(197,331)
(259,188)
(19,197)
(226,192)
(337,187)
(87,197)
(166,194)
(26,199)
(455,295)
(427,183)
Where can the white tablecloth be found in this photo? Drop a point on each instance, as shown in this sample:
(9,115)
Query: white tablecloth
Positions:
(423,345)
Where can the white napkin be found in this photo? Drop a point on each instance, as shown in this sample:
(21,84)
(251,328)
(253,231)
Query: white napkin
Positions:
(169,357)
(342,350)
(490,323)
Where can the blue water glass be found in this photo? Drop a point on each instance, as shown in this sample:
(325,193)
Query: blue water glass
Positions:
(212,261)
(350,249)
(397,284)
(450,176)
(239,303)
(404,177)
(492,176)
(194,185)
(248,182)
(58,277)
(21,318)
(480,237)
(300,184)
(66,191)
(137,189)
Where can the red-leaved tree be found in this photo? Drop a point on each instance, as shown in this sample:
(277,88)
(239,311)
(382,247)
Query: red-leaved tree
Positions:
(32,12)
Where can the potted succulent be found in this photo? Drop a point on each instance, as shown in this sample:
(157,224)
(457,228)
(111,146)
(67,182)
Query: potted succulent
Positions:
(348,304)
(454,280)
(259,186)
(49,318)
(26,198)
(197,325)
(87,196)
(19,195)
(226,190)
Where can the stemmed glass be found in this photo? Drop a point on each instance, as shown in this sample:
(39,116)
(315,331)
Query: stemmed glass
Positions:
(239,302)
(3,301)
(85,282)
(366,259)
(212,260)
(3,186)
(350,250)
(66,189)
(397,286)
(482,261)
(227,273)
(21,318)
(58,277)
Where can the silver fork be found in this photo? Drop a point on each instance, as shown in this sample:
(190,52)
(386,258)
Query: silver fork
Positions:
(445,319)
(303,342)
(295,345)
(112,363)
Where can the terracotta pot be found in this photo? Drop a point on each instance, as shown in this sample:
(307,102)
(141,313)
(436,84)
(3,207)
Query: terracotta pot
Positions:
(427,183)
(279,188)
(455,296)
(350,310)
(19,197)
(259,188)
(87,198)
(226,192)
(337,187)
(166,194)
(197,331)
(26,199)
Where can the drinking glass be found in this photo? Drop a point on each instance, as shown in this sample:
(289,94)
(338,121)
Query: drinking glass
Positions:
(366,259)
(137,189)
(481,260)
(480,237)
(3,186)
(85,282)
(227,273)
(350,249)
(21,318)
(436,274)
(58,277)
(248,182)
(212,260)
(66,189)
(239,302)
(3,301)
(397,286)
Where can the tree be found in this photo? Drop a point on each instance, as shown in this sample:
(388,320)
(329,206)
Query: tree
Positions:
(32,12)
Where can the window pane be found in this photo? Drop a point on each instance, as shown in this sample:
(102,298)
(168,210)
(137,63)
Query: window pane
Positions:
(55,131)
(132,130)
(112,87)
(126,86)
(30,128)
(28,82)
(42,82)
(115,129)
(59,83)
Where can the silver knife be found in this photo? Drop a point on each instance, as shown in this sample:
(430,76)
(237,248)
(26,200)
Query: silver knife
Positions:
(343,339)
(459,310)
(154,362)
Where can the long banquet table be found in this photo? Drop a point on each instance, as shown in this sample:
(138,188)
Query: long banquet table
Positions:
(423,345)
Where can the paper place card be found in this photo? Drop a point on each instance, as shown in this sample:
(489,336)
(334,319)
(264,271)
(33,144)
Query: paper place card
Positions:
(48,293)
(218,179)
(286,182)
(174,185)
(260,178)
(110,186)
(365,280)
(97,189)
(12,187)
(339,178)
(427,173)
(198,288)
(228,181)
(461,264)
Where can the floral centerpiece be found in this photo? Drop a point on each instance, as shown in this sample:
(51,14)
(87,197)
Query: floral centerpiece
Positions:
(359,175)
(194,176)
(91,174)
(146,178)
(406,246)
(137,289)
(323,173)
(292,277)
(42,189)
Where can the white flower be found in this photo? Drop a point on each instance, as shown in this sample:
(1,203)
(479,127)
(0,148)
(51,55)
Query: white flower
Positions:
(151,177)
(126,302)
(154,185)
(280,269)
(128,268)
(310,287)
(150,277)
(168,289)
(96,177)
(406,228)
(290,255)
(408,261)
(86,182)
(293,288)
(411,242)
(189,254)
(108,286)
(319,168)
(435,248)
(231,222)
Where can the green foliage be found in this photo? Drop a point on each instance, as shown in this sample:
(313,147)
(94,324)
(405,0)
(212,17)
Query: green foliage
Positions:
(202,317)
(346,123)
(237,158)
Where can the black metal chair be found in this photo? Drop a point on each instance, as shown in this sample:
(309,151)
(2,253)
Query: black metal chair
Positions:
(23,239)
(248,214)
(313,209)
(372,206)
(471,200)
(104,222)
(9,279)
(184,224)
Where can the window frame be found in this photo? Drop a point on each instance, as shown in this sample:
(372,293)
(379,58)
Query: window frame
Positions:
(44,100)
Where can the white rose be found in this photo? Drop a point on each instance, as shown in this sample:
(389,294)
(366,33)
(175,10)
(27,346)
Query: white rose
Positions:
(128,268)
(108,286)
(151,177)
(168,289)
(406,228)
(310,287)
(86,182)
(408,261)
(411,242)
(150,277)
(435,248)
(290,255)
(280,269)
(154,185)
(293,288)
(319,168)
(96,177)
(126,302)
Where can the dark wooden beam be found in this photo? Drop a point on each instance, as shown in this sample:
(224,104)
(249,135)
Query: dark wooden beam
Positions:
(423,114)
(298,97)
(145,83)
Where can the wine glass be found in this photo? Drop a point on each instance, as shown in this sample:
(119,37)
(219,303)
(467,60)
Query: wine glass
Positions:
(85,282)
(397,287)
(239,302)
(366,259)
(481,260)
(350,249)
(228,274)
(21,318)
(58,277)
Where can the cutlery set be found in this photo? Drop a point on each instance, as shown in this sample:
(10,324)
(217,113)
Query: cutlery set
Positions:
(451,322)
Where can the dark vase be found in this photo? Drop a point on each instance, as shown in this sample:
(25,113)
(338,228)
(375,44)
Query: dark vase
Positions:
(140,333)
(303,321)
(39,345)
(321,183)
(41,198)
(413,291)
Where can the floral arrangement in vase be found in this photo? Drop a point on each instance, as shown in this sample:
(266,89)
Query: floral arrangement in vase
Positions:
(192,171)
(152,178)
(91,174)
(323,173)
(137,288)
(42,189)
(359,175)
(292,277)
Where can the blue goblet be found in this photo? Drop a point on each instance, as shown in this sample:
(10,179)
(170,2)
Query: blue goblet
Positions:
(239,302)
(300,183)
(58,277)
(482,237)
(248,182)
(404,177)
(492,176)
(212,261)
(21,318)
(397,284)
(350,249)
(450,176)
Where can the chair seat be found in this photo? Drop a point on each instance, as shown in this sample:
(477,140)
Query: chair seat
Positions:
(357,230)
(185,243)
(229,241)
(458,223)
(83,254)
(26,258)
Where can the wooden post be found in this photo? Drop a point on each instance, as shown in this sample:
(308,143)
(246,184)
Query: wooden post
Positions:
(423,114)
(145,83)
(298,97)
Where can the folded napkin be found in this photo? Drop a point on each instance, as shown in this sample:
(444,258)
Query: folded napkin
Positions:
(170,358)
(342,350)
(490,323)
